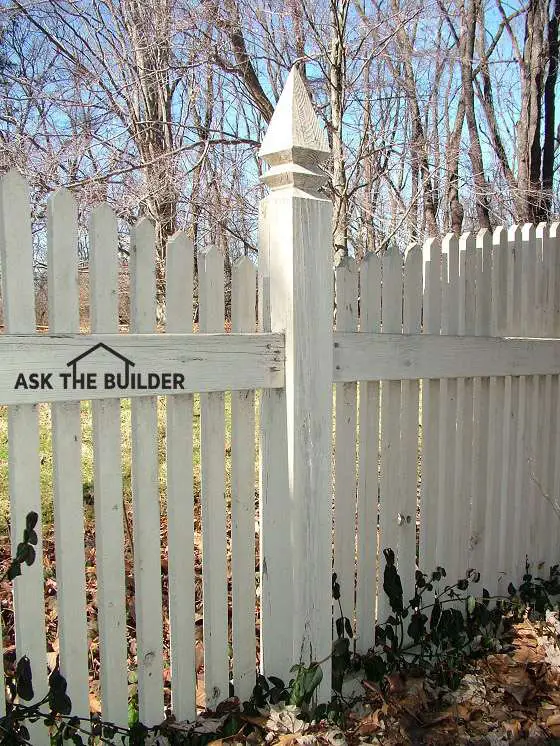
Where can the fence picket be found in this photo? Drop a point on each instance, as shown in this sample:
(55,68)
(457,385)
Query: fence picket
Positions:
(541,470)
(212,448)
(410,391)
(346,275)
(449,509)
(431,252)
(465,395)
(482,524)
(532,384)
(66,443)
(462,463)
(367,579)
(180,497)
(243,298)
(145,490)
(106,422)
(498,424)
(543,484)
(16,263)
(552,246)
(390,436)
(507,272)
(519,398)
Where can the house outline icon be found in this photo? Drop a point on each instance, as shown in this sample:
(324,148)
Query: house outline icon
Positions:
(100,345)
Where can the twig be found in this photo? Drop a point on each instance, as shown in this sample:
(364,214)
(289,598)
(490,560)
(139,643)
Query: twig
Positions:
(128,529)
(551,500)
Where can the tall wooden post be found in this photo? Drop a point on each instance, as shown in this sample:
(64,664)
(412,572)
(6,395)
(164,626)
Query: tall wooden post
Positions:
(296,289)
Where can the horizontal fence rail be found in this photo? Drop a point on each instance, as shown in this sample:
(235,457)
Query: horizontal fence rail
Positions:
(46,368)
(396,357)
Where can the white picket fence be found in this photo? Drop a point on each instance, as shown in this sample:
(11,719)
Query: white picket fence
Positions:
(445,368)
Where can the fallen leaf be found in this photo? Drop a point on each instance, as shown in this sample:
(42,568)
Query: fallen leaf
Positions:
(370,723)
(94,704)
(512,728)
(520,692)
(553,724)
(526,654)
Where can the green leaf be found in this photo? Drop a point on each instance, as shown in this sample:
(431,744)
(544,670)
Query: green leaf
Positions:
(340,627)
(471,604)
(14,570)
(305,683)
(335,587)
(133,716)
(60,702)
(340,647)
(375,668)
(435,615)
(110,730)
(32,538)
(392,583)
(417,626)
(30,555)
(24,679)
(312,679)
(31,520)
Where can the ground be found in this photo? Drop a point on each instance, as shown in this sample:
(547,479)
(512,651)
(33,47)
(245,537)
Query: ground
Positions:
(512,696)
(508,697)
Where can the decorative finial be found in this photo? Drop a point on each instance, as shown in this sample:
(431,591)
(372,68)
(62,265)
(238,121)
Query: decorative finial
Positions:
(295,143)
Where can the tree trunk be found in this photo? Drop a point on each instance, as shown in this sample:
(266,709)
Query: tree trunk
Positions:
(456,210)
(339,186)
(529,130)
(550,113)
(469,17)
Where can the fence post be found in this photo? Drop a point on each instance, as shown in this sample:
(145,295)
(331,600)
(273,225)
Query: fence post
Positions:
(296,270)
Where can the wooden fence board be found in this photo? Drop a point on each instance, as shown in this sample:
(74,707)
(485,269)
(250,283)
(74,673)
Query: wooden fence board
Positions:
(482,524)
(448,513)
(212,474)
(243,300)
(390,435)
(367,578)
(346,274)
(16,263)
(498,425)
(430,406)
(180,495)
(204,363)
(66,443)
(145,491)
(107,480)
(410,392)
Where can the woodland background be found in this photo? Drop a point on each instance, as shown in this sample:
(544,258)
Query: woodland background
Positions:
(441,115)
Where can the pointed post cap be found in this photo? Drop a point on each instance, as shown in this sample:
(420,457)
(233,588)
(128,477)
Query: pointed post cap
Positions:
(295,143)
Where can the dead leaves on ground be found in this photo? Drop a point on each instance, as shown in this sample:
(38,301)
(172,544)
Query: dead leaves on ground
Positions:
(511,697)
(508,697)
